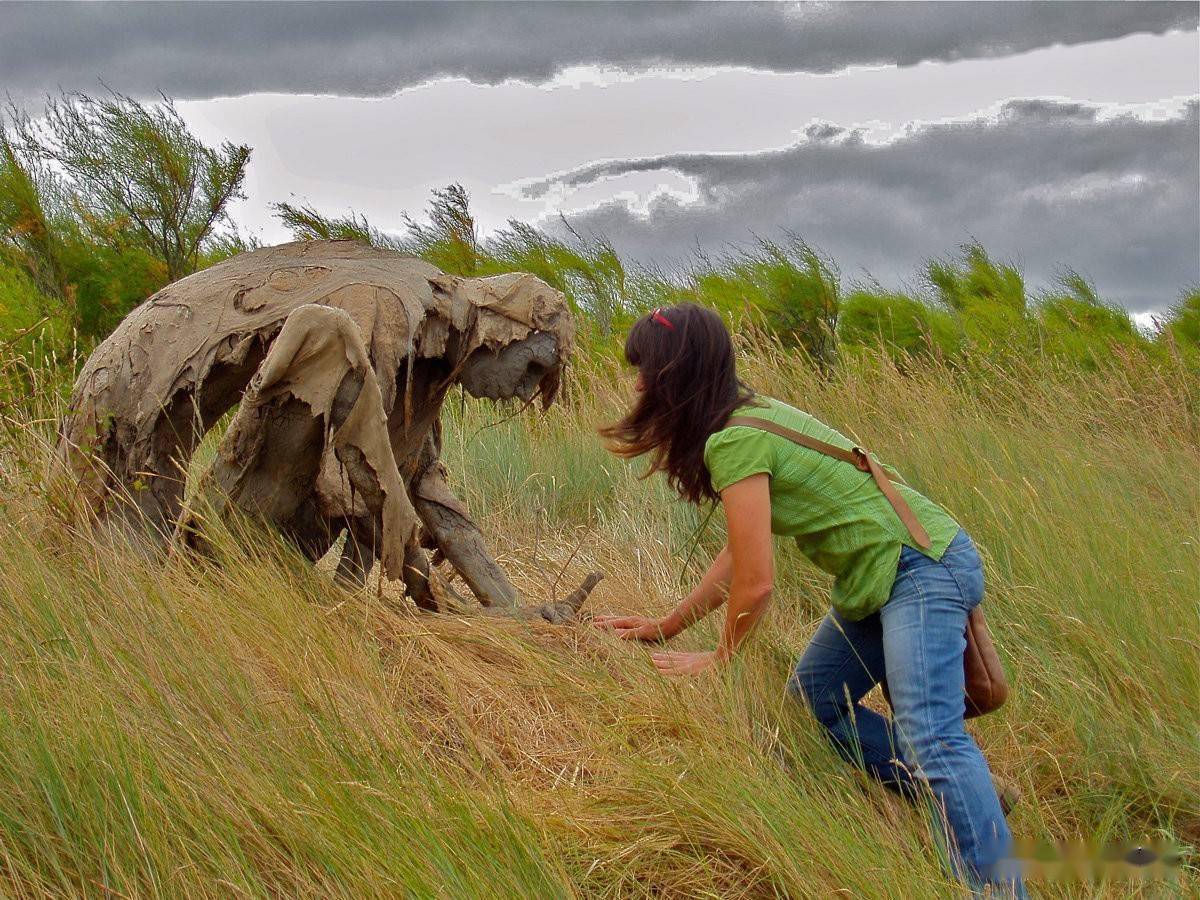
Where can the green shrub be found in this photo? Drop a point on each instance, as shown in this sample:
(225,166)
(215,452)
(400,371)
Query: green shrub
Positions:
(1077,325)
(988,298)
(1182,326)
(902,325)
(790,288)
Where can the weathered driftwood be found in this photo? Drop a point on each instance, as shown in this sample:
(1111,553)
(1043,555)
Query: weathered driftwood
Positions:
(339,357)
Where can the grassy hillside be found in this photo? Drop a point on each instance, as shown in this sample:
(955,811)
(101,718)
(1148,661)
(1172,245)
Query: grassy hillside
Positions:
(173,728)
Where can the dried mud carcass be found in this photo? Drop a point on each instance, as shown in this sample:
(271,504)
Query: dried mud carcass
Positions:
(339,357)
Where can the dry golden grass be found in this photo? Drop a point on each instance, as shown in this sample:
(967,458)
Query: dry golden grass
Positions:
(175,727)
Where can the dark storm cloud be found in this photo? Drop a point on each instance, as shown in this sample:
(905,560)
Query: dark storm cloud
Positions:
(1043,184)
(196,50)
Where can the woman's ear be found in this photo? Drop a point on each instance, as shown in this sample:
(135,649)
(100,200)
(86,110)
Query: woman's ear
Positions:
(640,384)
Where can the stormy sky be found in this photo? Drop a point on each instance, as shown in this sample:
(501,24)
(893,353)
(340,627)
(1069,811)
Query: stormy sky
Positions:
(1055,133)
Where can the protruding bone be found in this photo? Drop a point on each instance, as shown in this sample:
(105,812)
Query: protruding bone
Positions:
(560,612)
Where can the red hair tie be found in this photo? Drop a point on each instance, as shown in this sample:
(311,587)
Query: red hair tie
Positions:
(661,319)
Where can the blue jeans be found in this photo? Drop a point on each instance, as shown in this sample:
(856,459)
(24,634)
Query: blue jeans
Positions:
(917,641)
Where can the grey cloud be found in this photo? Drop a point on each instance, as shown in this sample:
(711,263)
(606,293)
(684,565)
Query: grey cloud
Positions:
(197,50)
(823,131)
(1035,108)
(1044,184)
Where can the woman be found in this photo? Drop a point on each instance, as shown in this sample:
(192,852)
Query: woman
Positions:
(898,611)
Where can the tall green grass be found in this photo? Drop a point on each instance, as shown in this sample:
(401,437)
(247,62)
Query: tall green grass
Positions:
(242,727)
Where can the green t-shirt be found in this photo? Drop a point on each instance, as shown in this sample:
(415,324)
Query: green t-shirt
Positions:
(837,514)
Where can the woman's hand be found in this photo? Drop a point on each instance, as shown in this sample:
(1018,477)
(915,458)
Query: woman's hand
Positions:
(637,628)
(676,662)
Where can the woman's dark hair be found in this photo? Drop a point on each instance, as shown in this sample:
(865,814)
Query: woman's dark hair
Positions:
(685,356)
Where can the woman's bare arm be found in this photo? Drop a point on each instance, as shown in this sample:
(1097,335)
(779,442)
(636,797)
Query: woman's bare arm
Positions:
(707,596)
(752,560)
(752,551)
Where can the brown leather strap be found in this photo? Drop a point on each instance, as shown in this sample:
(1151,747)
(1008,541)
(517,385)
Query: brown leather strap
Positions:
(859,458)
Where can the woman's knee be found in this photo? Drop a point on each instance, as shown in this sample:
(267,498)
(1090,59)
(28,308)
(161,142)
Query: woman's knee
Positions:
(807,685)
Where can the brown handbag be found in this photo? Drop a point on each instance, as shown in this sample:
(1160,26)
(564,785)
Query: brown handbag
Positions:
(986,684)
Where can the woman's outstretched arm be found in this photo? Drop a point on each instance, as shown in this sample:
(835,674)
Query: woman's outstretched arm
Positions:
(752,558)
(709,594)
(748,520)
